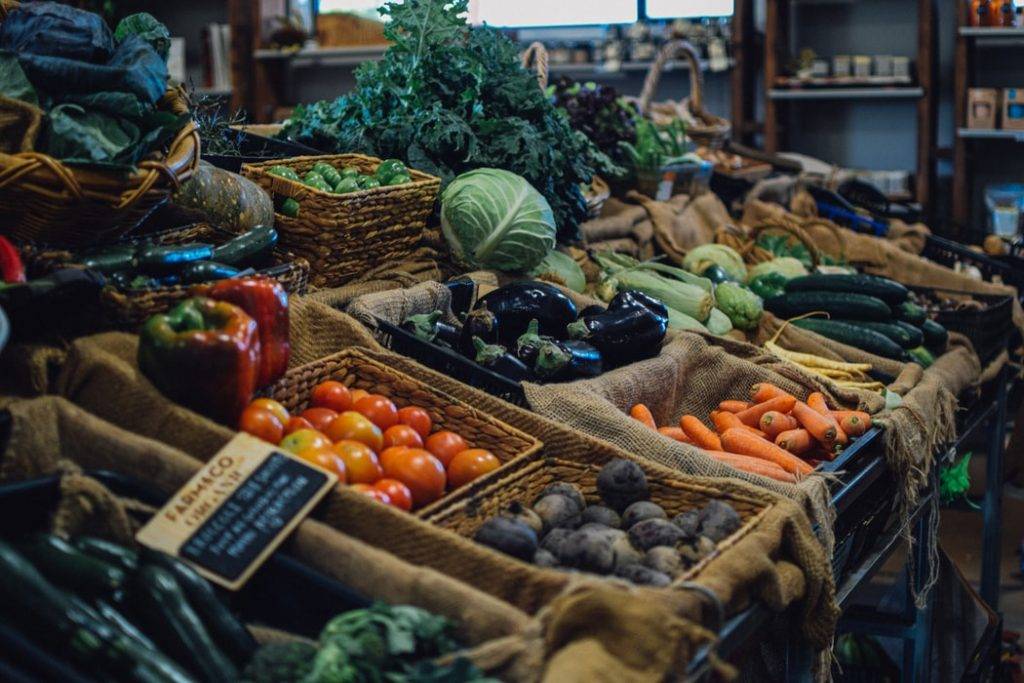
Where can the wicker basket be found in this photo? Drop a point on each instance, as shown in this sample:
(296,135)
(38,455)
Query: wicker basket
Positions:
(359,371)
(702,127)
(344,235)
(538,55)
(127,310)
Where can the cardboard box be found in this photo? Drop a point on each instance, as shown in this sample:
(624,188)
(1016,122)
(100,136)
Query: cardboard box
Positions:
(982,107)
(1013,108)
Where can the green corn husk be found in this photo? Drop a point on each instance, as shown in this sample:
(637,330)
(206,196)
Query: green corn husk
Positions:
(681,321)
(684,298)
(718,323)
(614,263)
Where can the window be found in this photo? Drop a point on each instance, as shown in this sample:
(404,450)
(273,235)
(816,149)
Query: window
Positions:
(552,12)
(364,8)
(671,9)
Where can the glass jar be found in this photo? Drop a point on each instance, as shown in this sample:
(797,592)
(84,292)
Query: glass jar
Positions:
(980,13)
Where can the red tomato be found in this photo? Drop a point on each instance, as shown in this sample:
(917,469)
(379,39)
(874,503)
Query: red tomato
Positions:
(261,423)
(421,472)
(352,425)
(379,409)
(279,411)
(296,442)
(445,445)
(327,459)
(331,394)
(357,394)
(320,418)
(297,423)
(389,453)
(402,435)
(470,464)
(368,490)
(417,418)
(399,493)
(361,464)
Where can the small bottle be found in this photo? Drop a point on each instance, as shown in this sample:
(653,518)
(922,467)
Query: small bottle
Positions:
(981,13)
(1004,13)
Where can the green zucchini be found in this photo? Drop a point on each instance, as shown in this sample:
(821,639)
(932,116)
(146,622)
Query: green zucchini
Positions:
(935,335)
(892,293)
(907,338)
(109,260)
(853,335)
(163,260)
(205,271)
(119,621)
(836,304)
(247,248)
(911,313)
(62,563)
(921,356)
(226,630)
(176,628)
(111,553)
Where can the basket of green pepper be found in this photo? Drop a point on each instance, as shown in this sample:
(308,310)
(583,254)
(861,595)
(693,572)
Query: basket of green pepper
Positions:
(346,213)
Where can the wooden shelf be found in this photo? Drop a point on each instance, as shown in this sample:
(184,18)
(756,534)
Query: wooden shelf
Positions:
(845,93)
(990,134)
(983,33)
(596,68)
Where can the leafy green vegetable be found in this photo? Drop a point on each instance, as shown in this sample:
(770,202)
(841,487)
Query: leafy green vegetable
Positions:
(656,147)
(495,219)
(277,662)
(561,269)
(13,82)
(781,245)
(447,98)
(602,115)
(145,26)
(741,305)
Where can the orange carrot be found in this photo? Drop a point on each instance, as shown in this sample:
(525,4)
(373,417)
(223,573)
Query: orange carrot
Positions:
(774,423)
(752,415)
(821,428)
(816,400)
(642,413)
(796,441)
(764,391)
(743,442)
(733,406)
(746,463)
(674,433)
(853,426)
(864,417)
(724,420)
(699,434)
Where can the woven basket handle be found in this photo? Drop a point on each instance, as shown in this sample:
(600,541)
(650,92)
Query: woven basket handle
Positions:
(669,51)
(538,54)
(794,231)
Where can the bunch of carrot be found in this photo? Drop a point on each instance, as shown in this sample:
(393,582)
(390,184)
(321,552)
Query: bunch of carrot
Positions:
(774,434)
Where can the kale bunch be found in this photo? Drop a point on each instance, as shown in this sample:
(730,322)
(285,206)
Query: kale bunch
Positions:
(446,99)
(601,114)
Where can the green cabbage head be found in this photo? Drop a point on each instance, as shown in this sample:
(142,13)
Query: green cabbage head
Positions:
(741,305)
(495,219)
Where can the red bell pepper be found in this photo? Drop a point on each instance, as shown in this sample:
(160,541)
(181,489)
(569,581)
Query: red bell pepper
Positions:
(11,268)
(265,300)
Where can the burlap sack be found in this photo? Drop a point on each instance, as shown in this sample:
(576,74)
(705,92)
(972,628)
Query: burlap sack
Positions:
(621,227)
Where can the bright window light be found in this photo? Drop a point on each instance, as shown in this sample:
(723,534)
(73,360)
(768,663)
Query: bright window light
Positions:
(672,9)
(552,12)
(365,8)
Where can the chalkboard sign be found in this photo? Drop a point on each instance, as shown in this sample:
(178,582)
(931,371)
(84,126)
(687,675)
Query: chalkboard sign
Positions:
(237,509)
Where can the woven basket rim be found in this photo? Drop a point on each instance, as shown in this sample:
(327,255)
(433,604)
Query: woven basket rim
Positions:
(419,178)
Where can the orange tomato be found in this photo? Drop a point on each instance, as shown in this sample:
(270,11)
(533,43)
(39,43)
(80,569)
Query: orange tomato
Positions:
(296,423)
(327,459)
(320,418)
(279,411)
(470,464)
(352,425)
(417,418)
(399,493)
(421,472)
(331,394)
(261,423)
(445,445)
(389,453)
(402,435)
(368,490)
(357,394)
(361,464)
(379,409)
(296,442)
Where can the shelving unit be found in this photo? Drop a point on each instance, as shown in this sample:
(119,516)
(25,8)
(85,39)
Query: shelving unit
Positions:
(780,30)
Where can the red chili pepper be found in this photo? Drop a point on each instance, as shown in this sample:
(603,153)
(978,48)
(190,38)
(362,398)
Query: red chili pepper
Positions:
(11,269)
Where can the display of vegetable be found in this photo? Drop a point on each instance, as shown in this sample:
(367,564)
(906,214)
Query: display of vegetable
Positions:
(785,266)
(767,285)
(495,219)
(561,269)
(688,298)
(742,306)
(447,98)
(502,315)
(620,533)
(11,268)
(657,147)
(698,259)
(601,114)
(99,90)
(225,199)
(631,329)
(782,245)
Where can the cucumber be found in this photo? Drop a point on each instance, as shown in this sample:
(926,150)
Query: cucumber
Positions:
(112,616)
(916,336)
(892,293)
(109,260)
(163,260)
(921,356)
(906,338)
(204,271)
(228,632)
(111,553)
(249,247)
(836,304)
(935,335)
(62,563)
(911,313)
(853,335)
(176,628)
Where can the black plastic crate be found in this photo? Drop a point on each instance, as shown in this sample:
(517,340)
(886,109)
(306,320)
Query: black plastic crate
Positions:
(1009,270)
(256,148)
(990,329)
(449,362)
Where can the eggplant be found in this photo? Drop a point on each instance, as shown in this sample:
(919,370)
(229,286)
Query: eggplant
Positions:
(529,343)
(480,322)
(623,335)
(514,306)
(593,309)
(632,298)
(430,328)
(463,291)
(495,358)
(565,360)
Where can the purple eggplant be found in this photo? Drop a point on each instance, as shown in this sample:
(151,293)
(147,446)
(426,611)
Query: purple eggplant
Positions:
(560,361)
(623,335)
(497,359)
(514,306)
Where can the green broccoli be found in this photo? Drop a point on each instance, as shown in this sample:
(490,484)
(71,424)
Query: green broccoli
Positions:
(281,663)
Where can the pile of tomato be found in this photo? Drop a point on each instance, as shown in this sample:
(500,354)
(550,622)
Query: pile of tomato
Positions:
(393,455)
